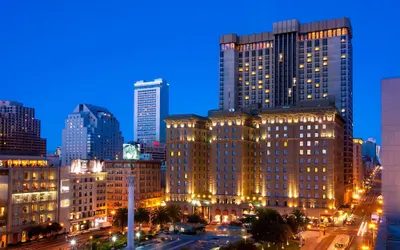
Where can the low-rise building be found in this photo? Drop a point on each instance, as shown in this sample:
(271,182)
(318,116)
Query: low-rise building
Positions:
(28,196)
(83,196)
(147,173)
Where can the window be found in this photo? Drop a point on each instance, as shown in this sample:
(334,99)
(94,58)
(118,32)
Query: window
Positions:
(308,151)
(316,170)
(316,135)
(301,135)
(277,177)
(323,170)
(301,152)
(323,126)
(285,128)
(276,185)
(308,170)
(277,128)
(324,151)
(277,169)
(301,143)
(308,143)
(301,127)
(308,127)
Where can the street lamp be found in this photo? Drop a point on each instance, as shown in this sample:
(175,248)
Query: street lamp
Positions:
(114,239)
(138,237)
(245,237)
(73,243)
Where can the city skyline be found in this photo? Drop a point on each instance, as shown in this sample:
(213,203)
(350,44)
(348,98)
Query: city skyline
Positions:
(68,58)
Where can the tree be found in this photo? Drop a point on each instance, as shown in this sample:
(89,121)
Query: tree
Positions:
(174,213)
(36,231)
(142,215)
(160,216)
(300,220)
(121,217)
(268,227)
(195,218)
(54,227)
(240,245)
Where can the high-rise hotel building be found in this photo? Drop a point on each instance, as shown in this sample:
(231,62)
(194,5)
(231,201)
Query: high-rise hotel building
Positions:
(151,107)
(294,62)
(224,165)
(91,133)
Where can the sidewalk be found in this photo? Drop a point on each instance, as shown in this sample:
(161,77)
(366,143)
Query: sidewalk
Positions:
(312,239)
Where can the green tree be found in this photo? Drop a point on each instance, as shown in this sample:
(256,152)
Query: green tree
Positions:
(160,216)
(300,219)
(121,217)
(195,218)
(268,227)
(240,245)
(54,227)
(142,215)
(36,231)
(174,213)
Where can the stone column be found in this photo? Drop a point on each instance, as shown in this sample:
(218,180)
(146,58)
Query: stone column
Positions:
(131,212)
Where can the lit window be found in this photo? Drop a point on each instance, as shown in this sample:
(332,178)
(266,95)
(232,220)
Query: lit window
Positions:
(301,66)
(240,69)
(323,126)
(343,110)
(267,76)
(247,83)
(308,170)
(309,55)
(266,100)
(324,151)
(324,95)
(343,56)
(260,87)
(316,170)
(260,58)
(247,64)
(309,59)
(325,58)
(285,144)
(308,143)
(316,69)
(308,151)
(309,96)
(323,187)
(308,127)
(267,91)
(325,63)
(259,81)
(259,67)
(301,143)
(309,81)
(247,97)
(301,152)
(317,85)
(253,73)
(324,170)
(172,153)
(316,48)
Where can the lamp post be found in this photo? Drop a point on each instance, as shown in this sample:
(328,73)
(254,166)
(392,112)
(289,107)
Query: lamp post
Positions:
(73,243)
(138,237)
(114,239)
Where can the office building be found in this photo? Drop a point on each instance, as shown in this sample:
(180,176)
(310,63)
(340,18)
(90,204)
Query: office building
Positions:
(358,164)
(388,232)
(91,132)
(20,130)
(224,165)
(148,192)
(371,150)
(156,149)
(294,62)
(28,196)
(83,196)
(151,105)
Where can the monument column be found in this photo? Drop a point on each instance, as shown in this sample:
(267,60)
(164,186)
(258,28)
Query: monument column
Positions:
(131,214)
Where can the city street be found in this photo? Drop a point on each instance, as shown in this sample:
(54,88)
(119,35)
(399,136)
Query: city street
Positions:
(360,232)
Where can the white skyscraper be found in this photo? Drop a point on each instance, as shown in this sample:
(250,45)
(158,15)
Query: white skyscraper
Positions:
(151,105)
(91,132)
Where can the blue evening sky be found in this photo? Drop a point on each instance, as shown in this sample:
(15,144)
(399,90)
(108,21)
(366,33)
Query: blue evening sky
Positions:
(57,54)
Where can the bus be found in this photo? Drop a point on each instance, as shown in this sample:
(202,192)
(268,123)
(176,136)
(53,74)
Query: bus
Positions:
(340,242)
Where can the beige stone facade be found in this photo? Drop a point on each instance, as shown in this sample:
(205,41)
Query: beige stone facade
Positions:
(28,196)
(148,192)
(358,164)
(229,163)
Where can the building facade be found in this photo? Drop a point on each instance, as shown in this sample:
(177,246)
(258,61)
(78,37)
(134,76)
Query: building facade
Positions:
(157,150)
(148,192)
(20,130)
(151,106)
(28,196)
(83,196)
(294,62)
(226,164)
(91,132)
(358,164)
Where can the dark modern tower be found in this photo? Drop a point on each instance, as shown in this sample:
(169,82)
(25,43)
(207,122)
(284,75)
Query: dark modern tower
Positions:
(294,62)
(19,130)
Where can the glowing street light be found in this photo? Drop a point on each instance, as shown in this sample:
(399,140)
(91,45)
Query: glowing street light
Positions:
(379,211)
(365,247)
(372,225)
(73,243)
(114,239)
(245,237)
